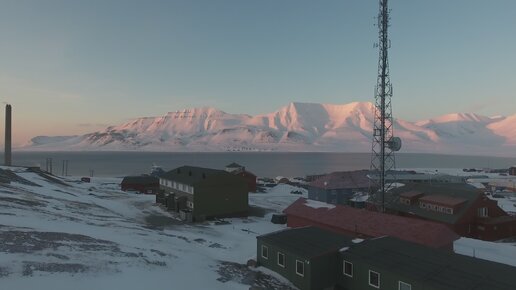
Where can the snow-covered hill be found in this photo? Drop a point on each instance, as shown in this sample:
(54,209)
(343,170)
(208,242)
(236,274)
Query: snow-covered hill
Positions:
(295,127)
(60,234)
(63,234)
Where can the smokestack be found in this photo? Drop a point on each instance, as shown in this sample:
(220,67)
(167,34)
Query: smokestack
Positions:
(8,140)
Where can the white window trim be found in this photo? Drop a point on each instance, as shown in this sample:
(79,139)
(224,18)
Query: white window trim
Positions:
(302,263)
(344,268)
(369,278)
(403,283)
(277,260)
(267,248)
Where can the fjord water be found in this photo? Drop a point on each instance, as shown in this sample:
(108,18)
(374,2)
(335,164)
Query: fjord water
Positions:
(263,164)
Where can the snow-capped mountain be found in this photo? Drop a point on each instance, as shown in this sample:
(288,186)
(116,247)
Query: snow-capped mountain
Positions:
(295,127)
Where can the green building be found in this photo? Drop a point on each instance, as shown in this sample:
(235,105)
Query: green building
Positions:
(313,258)
(203,193)
(392,264)
(305,256)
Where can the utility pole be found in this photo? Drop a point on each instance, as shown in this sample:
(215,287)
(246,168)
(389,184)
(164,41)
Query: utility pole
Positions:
(64,170)
(384,143)
(49,165)
(8,136)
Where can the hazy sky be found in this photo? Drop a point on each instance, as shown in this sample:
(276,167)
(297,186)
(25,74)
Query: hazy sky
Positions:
(75,66)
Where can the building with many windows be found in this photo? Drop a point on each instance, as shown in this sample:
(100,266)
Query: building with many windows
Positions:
(306,256)
(203,193)
(316,259)
(390,263)
(462,207)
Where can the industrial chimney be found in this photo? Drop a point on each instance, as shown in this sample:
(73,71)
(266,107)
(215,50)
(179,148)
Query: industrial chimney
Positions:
(7,156)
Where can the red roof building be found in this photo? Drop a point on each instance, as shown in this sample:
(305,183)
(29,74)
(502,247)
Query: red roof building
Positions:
(250,178)
(461,207)
(237,169)
(368,224)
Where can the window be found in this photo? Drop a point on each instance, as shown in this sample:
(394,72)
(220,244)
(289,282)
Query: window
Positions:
(482,212)
(300,268)
(374,279)
(405,201)
(348,269)
(281,260)
(404,286)
(265,252)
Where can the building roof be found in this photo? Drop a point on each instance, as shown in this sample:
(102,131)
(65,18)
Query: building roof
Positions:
(246,173)
(444,200)
(234,165)
(448,193)
(141,179)
(307,241)
(435,268)
(373,224)
(410,194)
(342,180)
(191,175)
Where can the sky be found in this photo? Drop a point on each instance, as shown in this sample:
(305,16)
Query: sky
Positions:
(76,66)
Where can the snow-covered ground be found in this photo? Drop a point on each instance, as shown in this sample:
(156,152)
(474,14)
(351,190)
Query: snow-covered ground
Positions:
(499,252)
(73,235)
(93,236)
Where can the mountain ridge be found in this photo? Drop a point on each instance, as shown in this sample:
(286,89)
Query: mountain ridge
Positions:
(294,127)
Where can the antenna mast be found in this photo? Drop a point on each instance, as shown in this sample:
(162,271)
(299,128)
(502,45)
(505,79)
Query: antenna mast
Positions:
(384,143)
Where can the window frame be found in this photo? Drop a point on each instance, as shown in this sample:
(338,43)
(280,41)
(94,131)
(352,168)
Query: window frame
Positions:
(369,279)
(344,268)
(483,212)
(278,260)
(302,263)
(264,247)
(405,283)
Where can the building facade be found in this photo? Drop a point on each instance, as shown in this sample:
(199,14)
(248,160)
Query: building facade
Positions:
(203,193)
(389,263)
(463,208)
(305,256)
(312,258)
(338,187)
(237,169)
(142,184)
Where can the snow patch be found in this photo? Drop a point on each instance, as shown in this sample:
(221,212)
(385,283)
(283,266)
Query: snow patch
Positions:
(318,204)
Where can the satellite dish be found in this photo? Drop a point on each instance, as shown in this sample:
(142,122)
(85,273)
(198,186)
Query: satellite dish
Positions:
(395,144)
